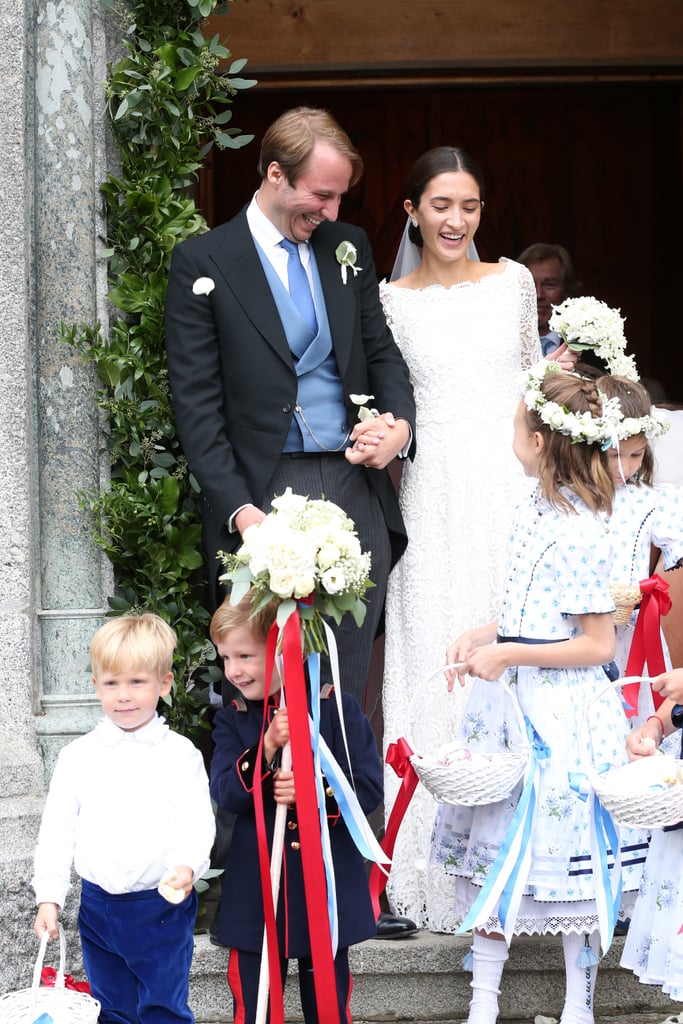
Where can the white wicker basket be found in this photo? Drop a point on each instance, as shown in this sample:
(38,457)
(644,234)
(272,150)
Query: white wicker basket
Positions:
(471,780)
(647,793)
(64,1005)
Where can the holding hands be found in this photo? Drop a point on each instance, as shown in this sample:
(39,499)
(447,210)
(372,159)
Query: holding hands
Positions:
(377,441)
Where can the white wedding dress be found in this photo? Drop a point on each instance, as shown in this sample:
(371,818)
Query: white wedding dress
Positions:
(465,347)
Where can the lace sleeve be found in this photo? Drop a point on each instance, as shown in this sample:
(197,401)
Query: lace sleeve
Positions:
(530,344)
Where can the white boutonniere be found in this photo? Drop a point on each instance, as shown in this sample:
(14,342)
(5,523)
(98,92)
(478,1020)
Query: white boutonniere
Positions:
(203,286)
(347,254)
(364,413)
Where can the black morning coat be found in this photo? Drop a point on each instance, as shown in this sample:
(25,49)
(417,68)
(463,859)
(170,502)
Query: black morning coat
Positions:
(237,729)
(232,373)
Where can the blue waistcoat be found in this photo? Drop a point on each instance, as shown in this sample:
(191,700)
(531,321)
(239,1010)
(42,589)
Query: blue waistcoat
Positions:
(320,393)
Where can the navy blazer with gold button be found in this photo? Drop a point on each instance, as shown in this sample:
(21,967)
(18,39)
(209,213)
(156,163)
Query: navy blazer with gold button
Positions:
(234,773)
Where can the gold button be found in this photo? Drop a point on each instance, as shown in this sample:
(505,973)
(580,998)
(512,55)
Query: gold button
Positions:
(245,766)
(329,791)
(296,846)
(291,825)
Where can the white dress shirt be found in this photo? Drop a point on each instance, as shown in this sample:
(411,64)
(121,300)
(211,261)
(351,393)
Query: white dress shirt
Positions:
(124,807)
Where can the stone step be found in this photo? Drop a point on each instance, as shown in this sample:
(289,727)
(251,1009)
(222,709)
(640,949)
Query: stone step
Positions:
(421,978)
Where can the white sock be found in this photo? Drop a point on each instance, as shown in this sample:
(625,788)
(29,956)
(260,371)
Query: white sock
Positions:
(488,960)
(580,981)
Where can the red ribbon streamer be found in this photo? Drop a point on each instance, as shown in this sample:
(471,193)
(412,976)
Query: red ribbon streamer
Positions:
(646,645)
(315,882)
(275,992)
(398,758)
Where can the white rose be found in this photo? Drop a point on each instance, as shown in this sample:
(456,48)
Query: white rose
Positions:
(333,581)
(304,586)
(203,286)
(592,430)
(282,583)
(327,556)
(554,416)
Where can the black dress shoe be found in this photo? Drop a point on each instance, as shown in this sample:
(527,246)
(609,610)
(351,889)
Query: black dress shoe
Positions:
(391,927)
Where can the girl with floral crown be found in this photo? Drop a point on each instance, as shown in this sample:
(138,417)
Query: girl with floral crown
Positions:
(654,944)
(553,637)
(643,517)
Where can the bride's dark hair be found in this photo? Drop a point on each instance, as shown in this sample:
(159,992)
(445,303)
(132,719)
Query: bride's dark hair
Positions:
(440,160)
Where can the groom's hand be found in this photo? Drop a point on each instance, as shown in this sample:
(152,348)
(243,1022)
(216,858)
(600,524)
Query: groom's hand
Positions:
(376,442)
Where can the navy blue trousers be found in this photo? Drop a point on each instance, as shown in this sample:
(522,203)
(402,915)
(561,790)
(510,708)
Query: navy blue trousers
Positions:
(137,953)
(243,976)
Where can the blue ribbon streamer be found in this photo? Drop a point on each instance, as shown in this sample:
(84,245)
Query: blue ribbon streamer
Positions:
(604,837)
(313,662)
(507,877)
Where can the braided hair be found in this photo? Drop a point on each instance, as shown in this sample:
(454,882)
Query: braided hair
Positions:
(566,463)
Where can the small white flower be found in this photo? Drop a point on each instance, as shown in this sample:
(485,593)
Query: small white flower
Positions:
(203,286)
(347,254)
(364,413)
(333,581)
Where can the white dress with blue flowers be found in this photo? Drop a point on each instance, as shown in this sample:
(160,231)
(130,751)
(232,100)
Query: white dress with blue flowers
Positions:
(559,569)
(643,516)
(653,949)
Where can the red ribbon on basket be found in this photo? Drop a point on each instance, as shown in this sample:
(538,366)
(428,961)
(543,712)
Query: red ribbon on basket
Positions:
(398,758)
(646,645)
(48,977)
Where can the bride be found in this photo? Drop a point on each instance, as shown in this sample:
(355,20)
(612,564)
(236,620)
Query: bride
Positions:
(466,330)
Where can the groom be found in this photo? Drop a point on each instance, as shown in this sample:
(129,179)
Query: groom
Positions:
(266,342)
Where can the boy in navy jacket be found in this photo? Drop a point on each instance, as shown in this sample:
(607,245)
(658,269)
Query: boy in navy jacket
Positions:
(240,639)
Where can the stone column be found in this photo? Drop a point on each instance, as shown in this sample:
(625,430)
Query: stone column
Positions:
(53,580)
(68,144)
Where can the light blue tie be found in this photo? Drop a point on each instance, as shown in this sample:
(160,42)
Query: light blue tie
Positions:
(299,288)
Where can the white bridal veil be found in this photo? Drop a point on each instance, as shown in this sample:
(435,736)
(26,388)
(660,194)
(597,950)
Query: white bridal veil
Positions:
(409,255)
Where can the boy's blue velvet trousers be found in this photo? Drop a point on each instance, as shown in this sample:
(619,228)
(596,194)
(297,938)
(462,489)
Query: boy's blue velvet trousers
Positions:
(137,952)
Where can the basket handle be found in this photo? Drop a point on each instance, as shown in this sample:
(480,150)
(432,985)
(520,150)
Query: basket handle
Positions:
(59,980)
(621,681)
(458,665)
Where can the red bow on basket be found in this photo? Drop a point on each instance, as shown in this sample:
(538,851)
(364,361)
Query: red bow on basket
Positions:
(398,758)
(646,645)
(48,977)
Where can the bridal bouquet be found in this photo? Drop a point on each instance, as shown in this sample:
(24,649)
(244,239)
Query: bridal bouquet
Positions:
(306,555)
(587,323)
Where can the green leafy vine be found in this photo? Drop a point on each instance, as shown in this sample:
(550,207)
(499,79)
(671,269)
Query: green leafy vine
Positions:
(168,102)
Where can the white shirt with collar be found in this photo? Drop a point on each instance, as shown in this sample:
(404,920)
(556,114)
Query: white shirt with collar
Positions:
(122,808)
(268,237)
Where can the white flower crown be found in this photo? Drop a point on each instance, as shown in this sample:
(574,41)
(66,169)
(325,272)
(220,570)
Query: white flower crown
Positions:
(606,430)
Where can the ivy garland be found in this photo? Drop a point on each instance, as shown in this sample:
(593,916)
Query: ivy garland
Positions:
(168,102)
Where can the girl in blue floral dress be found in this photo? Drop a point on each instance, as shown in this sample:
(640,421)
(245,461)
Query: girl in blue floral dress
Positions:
(654,945)
(553,637)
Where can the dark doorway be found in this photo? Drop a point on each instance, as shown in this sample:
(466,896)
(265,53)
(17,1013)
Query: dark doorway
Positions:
(593,165)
